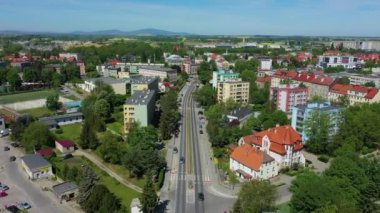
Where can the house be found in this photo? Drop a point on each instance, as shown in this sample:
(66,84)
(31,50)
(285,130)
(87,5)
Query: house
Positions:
(136,206)
(45,152)
(286,96)
(54,122)
(36,166)
(346,61)
(65,146)
(240,114)
(261,82)
(65,191)
(355,94)
(300,115)
(282,143)
(251,163)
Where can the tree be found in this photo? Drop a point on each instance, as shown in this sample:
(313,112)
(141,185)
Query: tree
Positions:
(149,198)
(3,75)
(110,150)
(36,135)
(317,128)
(101,200)
(88,137)
(30,74)
(56,80)
(86,186)
(370,84)
(344,80)
(14,79)
(146,135)
(52,102)
(169,114)
(19,126)
(102,108)
(255,197)
(205,72)
(206,95)
(250,65)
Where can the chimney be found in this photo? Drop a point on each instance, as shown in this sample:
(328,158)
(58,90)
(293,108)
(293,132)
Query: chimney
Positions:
(277,125)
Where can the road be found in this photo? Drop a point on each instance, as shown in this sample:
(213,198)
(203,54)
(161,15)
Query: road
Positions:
(22,189)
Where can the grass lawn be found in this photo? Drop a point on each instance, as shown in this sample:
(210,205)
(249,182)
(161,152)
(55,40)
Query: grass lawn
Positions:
(71,97)
(70,132)
(38,112)
(284,208)
(116,126)
(120,170)
(26,96)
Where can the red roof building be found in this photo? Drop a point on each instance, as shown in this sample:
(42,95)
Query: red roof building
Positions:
(65,146)
(282,143)
(262,81)
(45,152)
(356,94)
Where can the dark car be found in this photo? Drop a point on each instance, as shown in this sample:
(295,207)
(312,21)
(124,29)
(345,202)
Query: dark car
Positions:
(175,150)
(201,196)
(182,159)
(6,148)
(15,144)
(12,208)
(67,156)
(12,158)
(200,131)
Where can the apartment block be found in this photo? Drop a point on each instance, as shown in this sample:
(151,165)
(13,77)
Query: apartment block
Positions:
(222,75)
(142,83)
(233,89)
(286,96)
(139,108)
(161,72)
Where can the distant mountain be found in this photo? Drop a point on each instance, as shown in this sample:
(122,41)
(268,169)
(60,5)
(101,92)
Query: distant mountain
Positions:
(142,32)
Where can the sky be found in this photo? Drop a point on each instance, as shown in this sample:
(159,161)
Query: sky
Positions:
(204,17)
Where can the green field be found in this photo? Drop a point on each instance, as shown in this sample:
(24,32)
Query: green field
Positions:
(38,112)
(27,96)
(284,208)
(70,132)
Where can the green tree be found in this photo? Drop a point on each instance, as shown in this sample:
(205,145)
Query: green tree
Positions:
(3,75)
(255,197)
(102,108)
(56,80)
(36,135)
(149,198)
(344,80)
(250,65)
(206,95)
(88,137)
(110,150)
(14,79)
(147,135)
(52,102)
(205,72)
(31,74)
(101,200)
(86,185)
(169,114)
(370,84)
(317,128)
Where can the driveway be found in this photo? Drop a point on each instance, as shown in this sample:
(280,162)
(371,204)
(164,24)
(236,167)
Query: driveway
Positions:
(318,165)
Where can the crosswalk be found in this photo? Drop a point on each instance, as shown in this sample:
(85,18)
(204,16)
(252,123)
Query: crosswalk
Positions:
(174,177)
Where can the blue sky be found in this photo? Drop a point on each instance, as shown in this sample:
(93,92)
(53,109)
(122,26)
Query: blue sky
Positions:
(234,17)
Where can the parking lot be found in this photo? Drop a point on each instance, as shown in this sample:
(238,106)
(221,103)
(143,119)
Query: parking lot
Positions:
(23,189)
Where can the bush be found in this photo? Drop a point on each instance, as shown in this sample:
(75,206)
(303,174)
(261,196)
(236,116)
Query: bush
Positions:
(58,131)
(324,158)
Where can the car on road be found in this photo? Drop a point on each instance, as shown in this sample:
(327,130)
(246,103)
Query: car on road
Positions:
(200,131)
(12,158)
(182,159)
(24,205)
(175,150)
(14,144)
(67,156)
(3,194)
(12,208)
(201,196)
(6,148)
(4,188)
(4,132)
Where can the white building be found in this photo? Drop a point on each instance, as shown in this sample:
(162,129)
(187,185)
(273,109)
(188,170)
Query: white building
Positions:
(252,163)
(162,73)
(36,166)
(265,63)
(77,56)
(348,62)
(119,86)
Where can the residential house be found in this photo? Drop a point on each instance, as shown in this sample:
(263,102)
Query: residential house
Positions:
(355,94)
(65,191)
(45,152)
(139,108)
(301,114)
(282,143)
(233,89)
(252,163)
(240,115)
(118,85)
(65,146)
(286,96)
(36,166)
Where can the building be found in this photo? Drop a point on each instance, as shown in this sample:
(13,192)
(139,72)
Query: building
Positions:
(222,75)
(248,163)
(282,143)
(300,114)
(70,56)
(235,90)
(65,191)
(119,86)
(304,56)
(346,61)
(174,60)
(136,206)
(161,72)
(190,68)
(240,114)
(355,94)
(139,108)
(45,152)
(144,83)
(265,63)
(2,122)
(361,45)
(261,82)
(65,146)
(286,96)
(36,166)
(55,121)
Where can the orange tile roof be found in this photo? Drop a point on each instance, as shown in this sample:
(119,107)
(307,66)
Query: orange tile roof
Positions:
(340,88)
(343,89)
(250,157)
(284,135)
(264,79)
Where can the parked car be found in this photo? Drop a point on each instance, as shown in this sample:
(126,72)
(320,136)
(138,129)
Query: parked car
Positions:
(24,205)
(175,150)
(6,148)
(3,194)
(4,188)
(182,159)
(14,144)
(200,131)
(67,156)
(4,132)
(201,196)
(12,158)
(12,208)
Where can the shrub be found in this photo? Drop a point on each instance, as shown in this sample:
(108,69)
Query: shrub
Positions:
(58,131)
(324,158)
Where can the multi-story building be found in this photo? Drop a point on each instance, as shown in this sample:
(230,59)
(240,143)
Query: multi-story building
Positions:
(233,89)
(69,56)
(161,72)
(261,82)
(118,85)
(265,63)
(347,61)
(355,94)
(190,68)
(139,108)
(300,114)
(282,143)
(252,163)
(361,45)
(142,83)
(286,96)
(174,60)
(222,75)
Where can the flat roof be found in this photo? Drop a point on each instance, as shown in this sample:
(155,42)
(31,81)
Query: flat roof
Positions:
(106,80)
(163,69)
(143,80)
(55,117)
(34,161)
(61,188)
(140,98)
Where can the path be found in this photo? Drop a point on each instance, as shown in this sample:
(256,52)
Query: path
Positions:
(105,168)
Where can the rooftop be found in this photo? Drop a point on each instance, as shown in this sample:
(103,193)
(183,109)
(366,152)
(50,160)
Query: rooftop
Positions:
(64,187)
(163,69)
(143,80)
(66,143)
(56,117)
(140,98)
(34,161)
(251,157)
(240,112)
(106,80)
